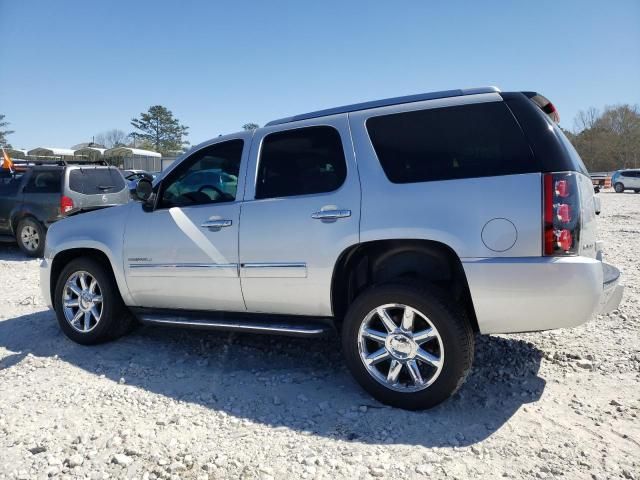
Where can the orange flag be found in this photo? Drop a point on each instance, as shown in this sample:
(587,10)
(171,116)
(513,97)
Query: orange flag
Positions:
(7,164)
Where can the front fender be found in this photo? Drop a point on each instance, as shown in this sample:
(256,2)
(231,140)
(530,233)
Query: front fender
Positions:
(102,230)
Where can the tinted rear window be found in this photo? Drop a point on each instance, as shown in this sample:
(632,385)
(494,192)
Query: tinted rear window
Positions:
(44,181)
(302,161)
(92,181)
(477,140)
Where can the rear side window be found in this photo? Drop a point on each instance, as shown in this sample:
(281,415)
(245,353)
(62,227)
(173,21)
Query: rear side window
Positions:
(9,182)
(92,181)
(465,141)
(44,181)
(301,162)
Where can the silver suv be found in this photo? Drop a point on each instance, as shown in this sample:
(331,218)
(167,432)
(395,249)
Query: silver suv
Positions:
(626,180)
(407,224)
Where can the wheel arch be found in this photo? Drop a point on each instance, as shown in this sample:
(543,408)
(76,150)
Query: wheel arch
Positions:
(20,215)
(380,261)
(62,258)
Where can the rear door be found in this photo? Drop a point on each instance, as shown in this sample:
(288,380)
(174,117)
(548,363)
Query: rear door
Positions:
(10,198)
(301,211)
(41,194)
(94,187)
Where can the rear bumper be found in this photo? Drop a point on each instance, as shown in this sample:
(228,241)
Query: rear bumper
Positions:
(540,293)
(612,289)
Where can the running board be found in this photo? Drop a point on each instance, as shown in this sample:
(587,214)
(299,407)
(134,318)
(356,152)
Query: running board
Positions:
(287,325)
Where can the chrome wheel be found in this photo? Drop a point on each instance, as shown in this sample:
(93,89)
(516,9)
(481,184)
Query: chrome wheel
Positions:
(30,238)
(82,301)
(400,347)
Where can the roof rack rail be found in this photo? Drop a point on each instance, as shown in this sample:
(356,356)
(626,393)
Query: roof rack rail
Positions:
(82,162)
(385,103)
(23,164)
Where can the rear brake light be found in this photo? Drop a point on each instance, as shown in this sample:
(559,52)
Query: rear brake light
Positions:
(561,207)
(66,204)
(564,213)
(562,188)
(545,105)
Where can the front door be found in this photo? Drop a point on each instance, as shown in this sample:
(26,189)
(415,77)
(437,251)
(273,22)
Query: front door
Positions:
(184,253)
(301,211)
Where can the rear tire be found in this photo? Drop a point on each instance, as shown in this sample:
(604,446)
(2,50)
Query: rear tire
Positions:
(30,236)
(442,361)
(88,304)
(618,187)
(637,190)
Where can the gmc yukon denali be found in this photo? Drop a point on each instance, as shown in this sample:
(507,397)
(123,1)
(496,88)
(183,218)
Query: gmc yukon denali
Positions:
(408,225)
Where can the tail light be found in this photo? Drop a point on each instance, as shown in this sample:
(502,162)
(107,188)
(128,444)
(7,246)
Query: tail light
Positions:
(561,199)
(66,204)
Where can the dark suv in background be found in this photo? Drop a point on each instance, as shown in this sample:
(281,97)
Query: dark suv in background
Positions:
(35,196)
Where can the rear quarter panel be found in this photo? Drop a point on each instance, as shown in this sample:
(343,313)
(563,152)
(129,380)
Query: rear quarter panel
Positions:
(453,212)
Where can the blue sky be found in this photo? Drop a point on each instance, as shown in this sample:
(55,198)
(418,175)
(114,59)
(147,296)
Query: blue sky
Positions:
(71,69)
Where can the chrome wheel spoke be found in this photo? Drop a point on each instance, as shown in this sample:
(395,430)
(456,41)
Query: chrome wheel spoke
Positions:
(83,281)
(394,372)
(377,356)
(407,319)
(71,303)
(424,336)
(97,299)
(427,357)
(414,371)
(76,317)
(386,319)
(74,288)
(95,313)
(92,285)
(87,321)
(374,335)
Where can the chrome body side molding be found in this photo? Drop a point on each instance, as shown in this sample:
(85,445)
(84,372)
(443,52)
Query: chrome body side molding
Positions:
(273,270)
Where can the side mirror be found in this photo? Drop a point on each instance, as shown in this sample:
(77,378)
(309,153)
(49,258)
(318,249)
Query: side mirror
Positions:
(143,190)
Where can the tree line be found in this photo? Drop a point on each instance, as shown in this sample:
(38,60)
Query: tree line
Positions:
(608,140)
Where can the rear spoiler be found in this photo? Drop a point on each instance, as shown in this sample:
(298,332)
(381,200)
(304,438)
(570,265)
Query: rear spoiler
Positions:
(544,104)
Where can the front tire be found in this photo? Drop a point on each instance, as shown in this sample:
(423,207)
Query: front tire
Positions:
(88,303)
(618,187)
(30,237)
(407,345)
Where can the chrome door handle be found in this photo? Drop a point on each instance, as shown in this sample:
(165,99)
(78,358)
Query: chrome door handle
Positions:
(216,223)
(331,214)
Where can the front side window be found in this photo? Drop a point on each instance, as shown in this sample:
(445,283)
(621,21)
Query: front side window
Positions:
(44,181)
(209,175)
(301,162)
(464,141)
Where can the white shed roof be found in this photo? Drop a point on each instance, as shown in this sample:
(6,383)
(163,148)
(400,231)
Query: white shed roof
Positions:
(130,152)
(91,151)
(51,152)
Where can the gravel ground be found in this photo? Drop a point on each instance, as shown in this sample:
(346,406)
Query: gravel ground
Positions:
(165,403)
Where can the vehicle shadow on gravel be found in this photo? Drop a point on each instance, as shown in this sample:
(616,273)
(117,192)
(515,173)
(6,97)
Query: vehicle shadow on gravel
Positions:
(9,252)
(292,383)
